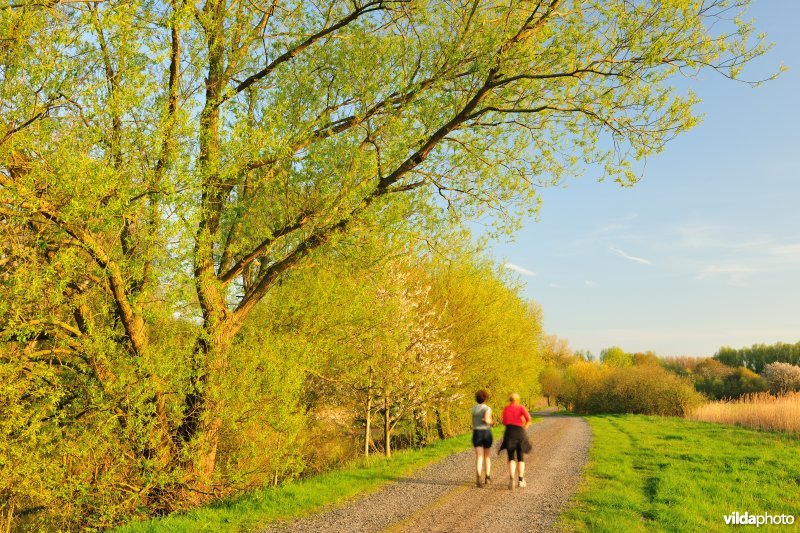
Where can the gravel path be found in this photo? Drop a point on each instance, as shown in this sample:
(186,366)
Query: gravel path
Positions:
(442,496)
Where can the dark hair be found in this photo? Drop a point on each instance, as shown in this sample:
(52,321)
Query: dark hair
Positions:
(481,396)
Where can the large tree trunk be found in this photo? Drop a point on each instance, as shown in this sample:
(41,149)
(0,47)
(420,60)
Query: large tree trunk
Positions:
(204,403)
(202,421)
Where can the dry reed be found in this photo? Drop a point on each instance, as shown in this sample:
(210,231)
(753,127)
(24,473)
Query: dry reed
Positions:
(761,411)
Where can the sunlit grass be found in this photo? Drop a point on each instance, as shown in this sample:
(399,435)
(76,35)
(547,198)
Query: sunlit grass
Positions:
(761,411)
(670,474)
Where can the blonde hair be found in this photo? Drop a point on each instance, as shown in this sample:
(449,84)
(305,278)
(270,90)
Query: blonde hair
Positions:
(513,397)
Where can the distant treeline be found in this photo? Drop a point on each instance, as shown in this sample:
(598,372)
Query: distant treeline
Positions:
(732,373)
(757,356)
(622,382)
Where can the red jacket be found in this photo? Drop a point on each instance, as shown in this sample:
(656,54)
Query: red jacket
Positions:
(515,415)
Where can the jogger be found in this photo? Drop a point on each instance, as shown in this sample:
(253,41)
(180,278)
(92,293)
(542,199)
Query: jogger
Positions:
(482,438)
(516,419)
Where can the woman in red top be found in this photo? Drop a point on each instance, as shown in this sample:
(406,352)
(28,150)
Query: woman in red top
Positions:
(516,419)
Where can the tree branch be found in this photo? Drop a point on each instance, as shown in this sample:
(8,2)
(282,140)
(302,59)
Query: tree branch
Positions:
(73,331)
(132,322)
(396,99)
(384,185)
(375,5)
(259,250)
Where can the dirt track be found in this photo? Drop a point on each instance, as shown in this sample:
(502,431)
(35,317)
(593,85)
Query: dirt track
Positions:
(442,497)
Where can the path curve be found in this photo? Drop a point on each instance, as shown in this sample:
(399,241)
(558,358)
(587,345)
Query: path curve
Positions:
(442,497)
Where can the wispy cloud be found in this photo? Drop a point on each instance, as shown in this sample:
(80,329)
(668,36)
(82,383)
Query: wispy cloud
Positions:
(630,257)
(734,255)
(788,253)
(517,268)
(590,283)
(736,275)
(728,269)
(717,237)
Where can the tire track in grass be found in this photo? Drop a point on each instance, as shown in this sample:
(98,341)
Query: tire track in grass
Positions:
(650,471)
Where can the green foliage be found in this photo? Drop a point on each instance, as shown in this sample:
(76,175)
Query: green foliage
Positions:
(681,365)
(644,390)
(552,382)
(758,356)
(616,357)
(264,424)
(641,389)
(582,381)
(718,381)
(669,474)
(494,334)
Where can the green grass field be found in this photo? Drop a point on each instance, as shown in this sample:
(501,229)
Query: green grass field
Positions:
(669,474)
(303,497)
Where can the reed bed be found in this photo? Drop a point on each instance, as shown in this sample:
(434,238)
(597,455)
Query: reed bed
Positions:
(761,411)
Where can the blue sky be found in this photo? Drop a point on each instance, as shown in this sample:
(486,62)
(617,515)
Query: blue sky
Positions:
(705,250)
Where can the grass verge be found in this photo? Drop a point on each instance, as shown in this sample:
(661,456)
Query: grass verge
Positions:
(668,474)
(259,508)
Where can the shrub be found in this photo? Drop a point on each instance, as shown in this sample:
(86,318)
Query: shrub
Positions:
(581,381)
(552,382)
(647,358)
(646,390)
(782,377)
(642,389)
(717,380)
(616,356)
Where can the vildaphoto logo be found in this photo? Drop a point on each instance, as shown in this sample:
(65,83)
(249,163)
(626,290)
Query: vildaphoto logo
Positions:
(747,519)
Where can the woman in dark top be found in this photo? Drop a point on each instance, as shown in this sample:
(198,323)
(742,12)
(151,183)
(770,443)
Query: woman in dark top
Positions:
(482,437)
(516,419)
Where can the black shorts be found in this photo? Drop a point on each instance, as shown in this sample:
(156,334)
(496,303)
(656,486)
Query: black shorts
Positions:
(515,454)
(516,443)
(482,438)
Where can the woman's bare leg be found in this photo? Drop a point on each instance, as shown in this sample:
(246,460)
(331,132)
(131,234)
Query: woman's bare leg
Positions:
(478,465)
(487,461)
(479,455)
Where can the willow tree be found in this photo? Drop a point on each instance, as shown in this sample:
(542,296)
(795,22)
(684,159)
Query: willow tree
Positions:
(147,146)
